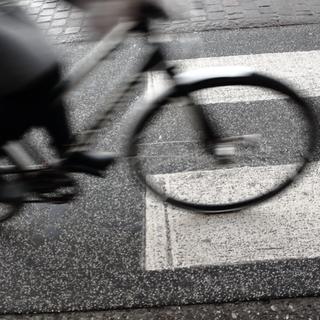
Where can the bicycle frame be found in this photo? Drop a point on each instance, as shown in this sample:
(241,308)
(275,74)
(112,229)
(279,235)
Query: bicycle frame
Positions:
(183,86)
(23,161)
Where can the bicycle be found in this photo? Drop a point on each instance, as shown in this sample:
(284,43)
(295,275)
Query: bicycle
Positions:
(161,163)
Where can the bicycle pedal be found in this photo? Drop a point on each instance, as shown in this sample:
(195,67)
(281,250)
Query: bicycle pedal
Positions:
(225,150)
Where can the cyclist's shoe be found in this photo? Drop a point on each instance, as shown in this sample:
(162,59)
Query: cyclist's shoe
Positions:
(88,162)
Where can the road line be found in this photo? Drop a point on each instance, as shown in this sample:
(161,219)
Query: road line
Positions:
(296,68)
(284,228)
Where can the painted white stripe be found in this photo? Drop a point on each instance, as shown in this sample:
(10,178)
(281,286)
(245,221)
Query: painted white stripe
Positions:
(299,69)
(286,227)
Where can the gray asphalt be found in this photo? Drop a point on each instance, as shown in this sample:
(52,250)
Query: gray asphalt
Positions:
(88,255)
(299,308)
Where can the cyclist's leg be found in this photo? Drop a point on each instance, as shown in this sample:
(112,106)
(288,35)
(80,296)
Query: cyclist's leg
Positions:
(30,106)
(56,122)
(52,115)
(29,71)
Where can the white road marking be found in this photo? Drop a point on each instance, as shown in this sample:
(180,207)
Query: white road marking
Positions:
(284,228)
(295,68)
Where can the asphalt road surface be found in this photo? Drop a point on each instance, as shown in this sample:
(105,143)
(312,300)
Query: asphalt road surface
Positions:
(107,249)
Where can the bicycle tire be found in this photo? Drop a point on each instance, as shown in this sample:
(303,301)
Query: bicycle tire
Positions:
(191,83)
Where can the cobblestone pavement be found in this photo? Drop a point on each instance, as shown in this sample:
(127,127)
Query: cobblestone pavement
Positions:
(64,22)
(56,18)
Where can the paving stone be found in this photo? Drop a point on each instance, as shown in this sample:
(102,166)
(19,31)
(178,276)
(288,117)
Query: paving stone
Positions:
(50,5)
(47,12)
(58,23)
(33,5)
(72,30)
(73,23)
(43,19)
(61,15)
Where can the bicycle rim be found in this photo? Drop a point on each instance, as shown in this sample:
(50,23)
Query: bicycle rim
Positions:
(171,157)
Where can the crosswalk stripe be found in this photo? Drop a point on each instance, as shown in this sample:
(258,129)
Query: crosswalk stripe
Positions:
(284,228)
(296,68)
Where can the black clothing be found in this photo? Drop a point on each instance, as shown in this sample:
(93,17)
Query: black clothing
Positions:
(28,72)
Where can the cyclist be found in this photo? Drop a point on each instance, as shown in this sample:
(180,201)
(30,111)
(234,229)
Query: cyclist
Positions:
(29,70)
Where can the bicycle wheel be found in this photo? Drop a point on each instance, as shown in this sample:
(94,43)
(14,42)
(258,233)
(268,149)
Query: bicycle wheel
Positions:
(261,136)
